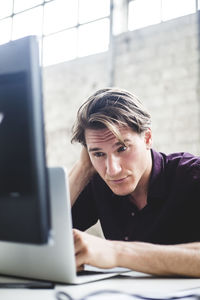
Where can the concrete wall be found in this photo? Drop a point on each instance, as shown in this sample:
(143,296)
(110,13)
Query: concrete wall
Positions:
(66,86)
(160,64)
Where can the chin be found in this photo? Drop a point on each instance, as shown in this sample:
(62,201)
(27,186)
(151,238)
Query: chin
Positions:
(126,190)
(122,193)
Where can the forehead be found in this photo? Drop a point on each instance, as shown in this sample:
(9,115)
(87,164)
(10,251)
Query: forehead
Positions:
(101,136)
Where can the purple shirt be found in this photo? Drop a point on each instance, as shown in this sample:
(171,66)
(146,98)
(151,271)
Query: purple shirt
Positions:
(173,204)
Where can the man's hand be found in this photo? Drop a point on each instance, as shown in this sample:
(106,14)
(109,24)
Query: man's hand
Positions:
(167,260)
(80,175)
(93,251)
(85,161)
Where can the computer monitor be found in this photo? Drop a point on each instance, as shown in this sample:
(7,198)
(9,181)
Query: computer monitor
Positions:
(24,199)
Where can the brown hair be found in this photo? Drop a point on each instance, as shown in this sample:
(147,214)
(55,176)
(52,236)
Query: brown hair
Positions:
(110,108)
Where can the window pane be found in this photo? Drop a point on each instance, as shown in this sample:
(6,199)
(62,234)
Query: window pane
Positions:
(93,9)
(93,37)
(5,8)
(20,5)
(5,30)
(177,8)
(198,4)
(28,23)
(60,14)
(143,13)
(60,47)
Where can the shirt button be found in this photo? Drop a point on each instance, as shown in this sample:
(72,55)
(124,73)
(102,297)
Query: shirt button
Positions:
(132,214)
(126,238)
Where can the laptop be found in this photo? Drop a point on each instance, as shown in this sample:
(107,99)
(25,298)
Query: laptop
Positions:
(36,239)
(55,261)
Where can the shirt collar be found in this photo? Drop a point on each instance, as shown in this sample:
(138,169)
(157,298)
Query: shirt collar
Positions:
(157,182)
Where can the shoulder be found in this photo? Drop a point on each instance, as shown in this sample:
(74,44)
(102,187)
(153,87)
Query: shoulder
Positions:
(183,158)
(184,161)
(183,164)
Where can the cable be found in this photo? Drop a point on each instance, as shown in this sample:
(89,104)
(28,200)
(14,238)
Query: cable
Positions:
(65,296)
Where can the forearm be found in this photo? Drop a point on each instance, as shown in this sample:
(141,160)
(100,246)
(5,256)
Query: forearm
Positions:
(181,259)
(79,177)
(194,245)
(158,259)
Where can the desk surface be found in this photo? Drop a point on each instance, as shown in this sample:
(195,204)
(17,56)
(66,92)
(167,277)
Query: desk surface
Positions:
(141,284)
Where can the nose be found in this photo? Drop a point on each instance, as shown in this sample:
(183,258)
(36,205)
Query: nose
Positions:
(113,166)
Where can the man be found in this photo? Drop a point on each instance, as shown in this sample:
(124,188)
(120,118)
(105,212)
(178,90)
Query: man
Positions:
(148,203)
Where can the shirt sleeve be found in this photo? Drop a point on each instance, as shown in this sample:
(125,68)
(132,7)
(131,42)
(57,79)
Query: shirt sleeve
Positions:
(190,201)
(84,211)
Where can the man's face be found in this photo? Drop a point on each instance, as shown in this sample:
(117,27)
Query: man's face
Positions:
(125,169)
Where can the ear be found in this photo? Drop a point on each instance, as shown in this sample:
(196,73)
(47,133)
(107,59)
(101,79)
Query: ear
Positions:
(148,138)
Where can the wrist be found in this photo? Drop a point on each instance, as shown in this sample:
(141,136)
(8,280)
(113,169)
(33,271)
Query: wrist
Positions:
(84,170)
(125,254)
(79,177)
(119,253)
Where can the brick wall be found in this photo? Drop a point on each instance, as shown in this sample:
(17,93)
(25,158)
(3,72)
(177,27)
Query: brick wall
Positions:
(160,64)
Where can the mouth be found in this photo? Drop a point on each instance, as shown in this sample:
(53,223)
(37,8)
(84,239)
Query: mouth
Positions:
(117,181)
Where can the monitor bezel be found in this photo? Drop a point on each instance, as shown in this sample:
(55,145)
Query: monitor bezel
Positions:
(27,219)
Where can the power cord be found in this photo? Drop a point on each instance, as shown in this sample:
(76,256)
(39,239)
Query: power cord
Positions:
(65,296)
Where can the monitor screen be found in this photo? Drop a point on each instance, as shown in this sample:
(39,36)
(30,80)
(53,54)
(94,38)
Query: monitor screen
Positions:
(24,199)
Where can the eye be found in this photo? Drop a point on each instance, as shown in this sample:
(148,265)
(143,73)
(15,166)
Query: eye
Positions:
(98,154)
(122,148)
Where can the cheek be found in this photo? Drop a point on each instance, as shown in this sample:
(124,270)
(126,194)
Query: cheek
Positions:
(135,159)
(130,157)
(97,164)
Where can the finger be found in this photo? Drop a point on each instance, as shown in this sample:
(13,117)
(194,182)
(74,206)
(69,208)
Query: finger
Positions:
(80,260)
(76,234)
(80,241)
(81,248)
(80,268)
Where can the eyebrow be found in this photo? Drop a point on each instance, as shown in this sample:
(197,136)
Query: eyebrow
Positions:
(100,149)
(94,149)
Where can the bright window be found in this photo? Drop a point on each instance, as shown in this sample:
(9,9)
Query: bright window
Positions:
(66,28)
(177,8)
(143,13)
(5,30)
(20,5)
(60,47)
(93,37)
(60,14)
(28,23)
(5,8)
(93,9)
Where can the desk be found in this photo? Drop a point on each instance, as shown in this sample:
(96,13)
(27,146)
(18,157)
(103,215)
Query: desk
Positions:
(140,283)
(26,294)
(133,282)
